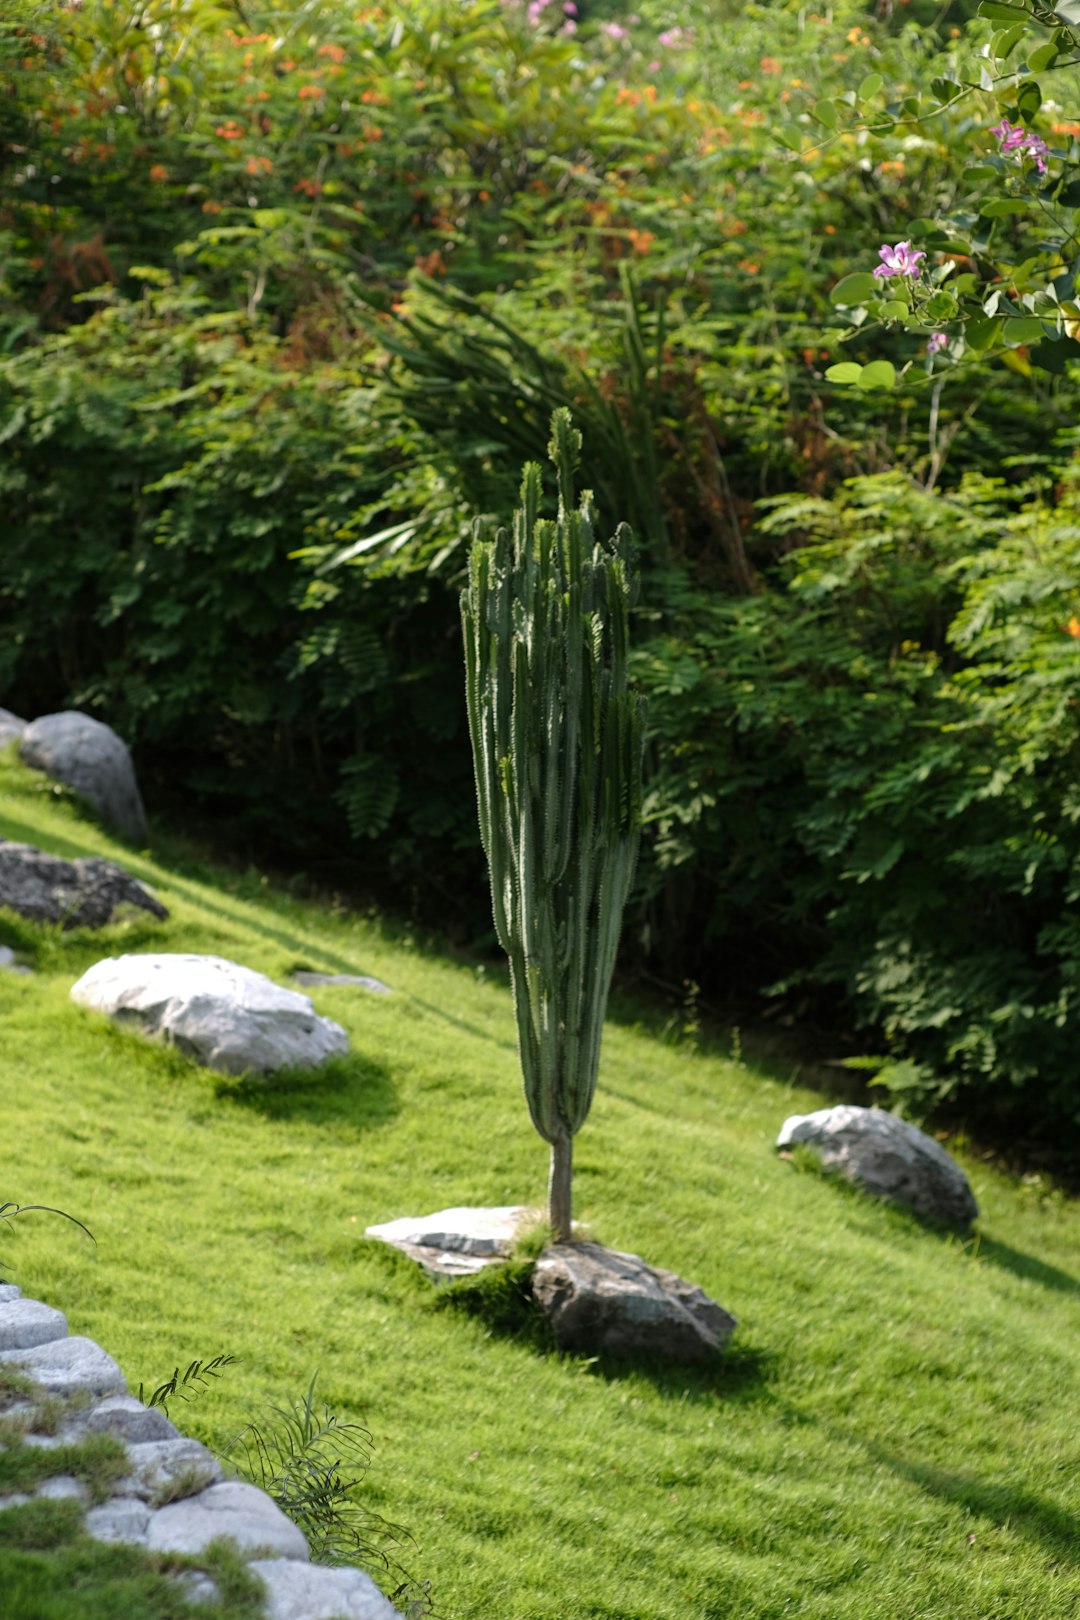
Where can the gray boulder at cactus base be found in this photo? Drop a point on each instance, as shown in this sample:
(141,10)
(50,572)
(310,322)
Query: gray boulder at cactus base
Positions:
(557,745)
(225,1016)
(887,1158)
(88,757)
(84,893)
(602,1302)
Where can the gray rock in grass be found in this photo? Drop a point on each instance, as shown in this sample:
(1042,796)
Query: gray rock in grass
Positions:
(308,1592)
(10,727)
(887,1158)
(27,1322)
(220,1014)
(67,1366)
(122,1518)
(233,1509)
(168,1470)
(8,1292)
(84,893)
(129,1420)
(600,1301)
(8,963)
(455,1242)
(63,1488)
(87,756)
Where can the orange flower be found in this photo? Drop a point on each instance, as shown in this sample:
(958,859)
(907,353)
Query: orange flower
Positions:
(745,84)
(373,132)
(627,98)
(258,165)
(855,36)
(336,53)
(310,188)
(230,130)
(1072,628)
(311,92)
(769,64)
(158,171)
(211,208)
(375,98)
(640,241)
(1069,128)
(750,266)
(432,264)
(830,230)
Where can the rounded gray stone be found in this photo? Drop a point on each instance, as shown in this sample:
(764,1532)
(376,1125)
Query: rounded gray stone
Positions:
(128,1419)
(27,1322)
(601,1301)
(312,1592)
(237,1510)
(10,727)
(888,1158)
(66,1366)
(166,1470)
(87,756)
(124,1519)
(8,1292)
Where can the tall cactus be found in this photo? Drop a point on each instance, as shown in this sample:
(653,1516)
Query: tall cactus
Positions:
(557,746)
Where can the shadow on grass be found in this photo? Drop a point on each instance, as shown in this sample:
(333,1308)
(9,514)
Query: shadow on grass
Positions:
(500,1298)
(349,1091)
(1033,1516)
(1027,1266)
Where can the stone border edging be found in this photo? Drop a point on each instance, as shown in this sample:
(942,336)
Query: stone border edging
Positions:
(175,1497)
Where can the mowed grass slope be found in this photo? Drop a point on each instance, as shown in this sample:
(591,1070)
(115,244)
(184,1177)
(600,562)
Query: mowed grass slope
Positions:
(894,1432)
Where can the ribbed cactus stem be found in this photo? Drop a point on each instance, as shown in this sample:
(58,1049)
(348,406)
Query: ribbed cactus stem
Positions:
(557,743)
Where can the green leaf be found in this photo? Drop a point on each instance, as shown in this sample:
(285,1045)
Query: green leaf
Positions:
(826,113)
(854,289)
(894,310)
(942,306)
(846,371)
(1029,99)
(999,11)
(870,86)
(1003,43)
(980,333)
(1024,329)
(1042,57)
(998,207)
(944,89)
(1055,357)
(878,374)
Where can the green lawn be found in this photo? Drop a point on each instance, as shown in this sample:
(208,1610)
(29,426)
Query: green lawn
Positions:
(892,1434)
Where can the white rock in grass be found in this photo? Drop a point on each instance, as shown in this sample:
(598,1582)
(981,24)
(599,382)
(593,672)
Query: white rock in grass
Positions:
(455,1242)
(27,1322)
(223,1015)
(128,1419)
(888,1158)
(63,1488)
(234,1509)
(363,980)
(310,1592)
(10,727)
(88,757)
(124,1518)
(8,1292)
(167,1470)
(66,1366)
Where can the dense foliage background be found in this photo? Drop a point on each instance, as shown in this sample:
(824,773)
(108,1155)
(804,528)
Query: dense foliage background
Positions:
(287,295)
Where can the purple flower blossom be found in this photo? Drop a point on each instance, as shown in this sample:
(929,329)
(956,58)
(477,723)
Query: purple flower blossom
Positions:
(901,260)
(1014,138)
(570,8)
(614,30)
(674,38)
(936,342)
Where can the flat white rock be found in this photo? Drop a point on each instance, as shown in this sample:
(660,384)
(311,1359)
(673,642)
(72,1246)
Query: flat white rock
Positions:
(27,1322)
(311,1592)
(65,1366)
(455,1242)
(363,980)
(888,1158)
(225,1016)
(63,1488)
(242,1512)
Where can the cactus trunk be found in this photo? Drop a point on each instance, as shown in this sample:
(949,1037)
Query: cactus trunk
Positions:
(557,743)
